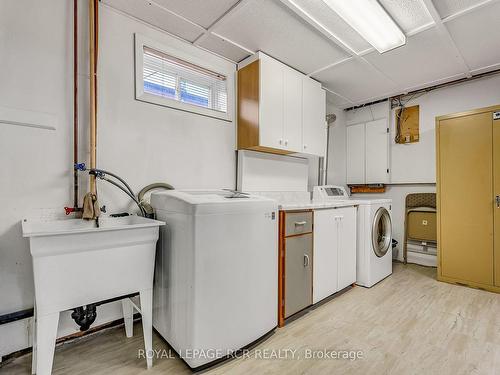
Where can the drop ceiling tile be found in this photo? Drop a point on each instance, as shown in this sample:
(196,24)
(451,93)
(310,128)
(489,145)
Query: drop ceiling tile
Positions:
(477,36)
(202,12)
(408,14)
(154,15)
(269,26)
(337,100)
(355,80)
(424,58)
(447,8)
(323,14)
(222,47)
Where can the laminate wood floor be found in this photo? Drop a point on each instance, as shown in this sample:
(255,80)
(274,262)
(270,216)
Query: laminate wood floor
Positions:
(407,324)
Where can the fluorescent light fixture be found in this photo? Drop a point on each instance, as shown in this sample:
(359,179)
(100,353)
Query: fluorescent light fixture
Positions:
(371,21)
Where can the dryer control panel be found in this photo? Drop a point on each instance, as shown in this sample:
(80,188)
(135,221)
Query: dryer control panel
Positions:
(329,192)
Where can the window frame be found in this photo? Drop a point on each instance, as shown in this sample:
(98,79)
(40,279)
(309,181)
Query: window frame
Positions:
(192,55)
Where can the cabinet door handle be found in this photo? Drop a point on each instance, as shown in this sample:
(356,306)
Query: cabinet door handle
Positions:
(300,223)
(305,146)
(280,141)
(337,218)
(497,199)
(306,260)
(286,142)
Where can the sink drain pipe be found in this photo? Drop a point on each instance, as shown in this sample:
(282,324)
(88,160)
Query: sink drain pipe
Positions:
(85,316)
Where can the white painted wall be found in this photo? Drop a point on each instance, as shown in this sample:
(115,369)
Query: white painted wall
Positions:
(142,142)
(145,143)
(412,166)
(337,147)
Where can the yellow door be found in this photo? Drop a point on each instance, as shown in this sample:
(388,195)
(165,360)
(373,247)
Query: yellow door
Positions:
(466,190)
(496,190)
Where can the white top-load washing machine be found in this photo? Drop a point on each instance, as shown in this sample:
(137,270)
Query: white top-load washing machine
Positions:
(215,288)
(374,234)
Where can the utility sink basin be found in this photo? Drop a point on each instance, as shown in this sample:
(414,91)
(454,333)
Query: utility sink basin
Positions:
(77,262)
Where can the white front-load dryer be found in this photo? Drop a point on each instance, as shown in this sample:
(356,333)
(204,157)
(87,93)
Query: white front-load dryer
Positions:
(374,250)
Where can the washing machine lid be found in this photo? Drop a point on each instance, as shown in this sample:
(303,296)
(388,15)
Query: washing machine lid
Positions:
(199,202)
(381,232)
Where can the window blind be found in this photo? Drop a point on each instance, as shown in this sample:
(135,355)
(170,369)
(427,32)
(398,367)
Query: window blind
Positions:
(176,79)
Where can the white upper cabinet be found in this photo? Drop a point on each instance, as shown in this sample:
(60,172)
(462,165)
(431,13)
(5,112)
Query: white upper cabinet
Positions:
(271,104)
(367,153)
(313,118)
(292,131)
(377,145)
(280,110)
(356,154)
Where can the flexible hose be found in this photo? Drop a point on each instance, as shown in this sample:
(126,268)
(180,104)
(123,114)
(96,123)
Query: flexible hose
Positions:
(143,213)
(115,176)
(156,185)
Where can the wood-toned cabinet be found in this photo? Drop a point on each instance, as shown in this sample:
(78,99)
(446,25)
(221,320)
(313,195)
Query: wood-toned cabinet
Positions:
(280,110)
(317,256)
(367,153)
(295,281)
(468,197)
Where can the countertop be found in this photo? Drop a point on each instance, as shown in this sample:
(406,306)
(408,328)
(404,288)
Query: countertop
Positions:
(315,205)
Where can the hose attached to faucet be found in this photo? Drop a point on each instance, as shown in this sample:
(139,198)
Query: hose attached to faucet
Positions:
(143,213)
(144,207)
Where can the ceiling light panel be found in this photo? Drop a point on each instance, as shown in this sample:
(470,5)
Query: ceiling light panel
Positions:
(410,15)
(321,13)
(371,21)
(202,12)
(271,27)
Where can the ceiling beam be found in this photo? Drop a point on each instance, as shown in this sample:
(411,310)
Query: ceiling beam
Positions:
(446,36)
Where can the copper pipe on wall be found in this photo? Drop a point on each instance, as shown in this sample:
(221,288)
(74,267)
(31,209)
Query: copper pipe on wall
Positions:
(75,103)
(93,48)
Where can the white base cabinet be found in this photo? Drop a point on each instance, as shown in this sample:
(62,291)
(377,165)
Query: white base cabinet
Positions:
(334,261)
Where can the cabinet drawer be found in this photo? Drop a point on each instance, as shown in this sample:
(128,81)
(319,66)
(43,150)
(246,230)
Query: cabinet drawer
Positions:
(298,222)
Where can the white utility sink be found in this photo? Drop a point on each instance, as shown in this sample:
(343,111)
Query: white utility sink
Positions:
(76,263)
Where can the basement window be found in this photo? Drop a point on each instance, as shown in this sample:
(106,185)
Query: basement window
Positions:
(166,79)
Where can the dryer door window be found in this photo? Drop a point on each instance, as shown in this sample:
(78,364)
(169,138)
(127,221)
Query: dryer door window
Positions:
(381,232)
